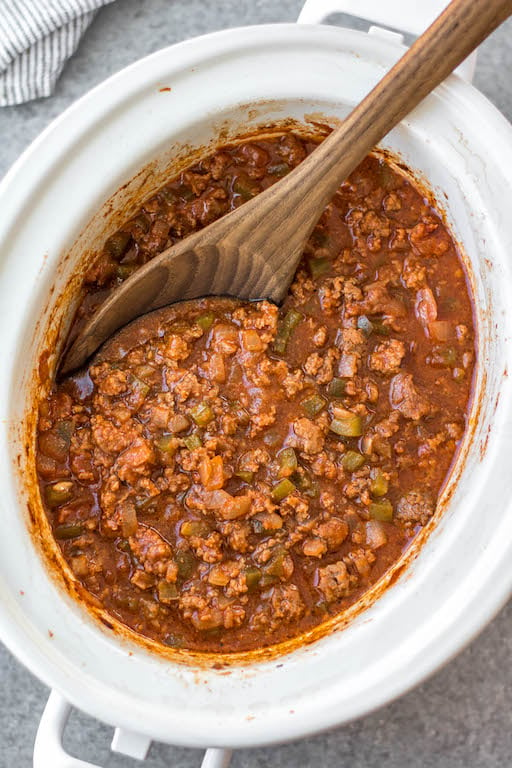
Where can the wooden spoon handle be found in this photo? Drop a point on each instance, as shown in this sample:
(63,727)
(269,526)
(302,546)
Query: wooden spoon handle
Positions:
(287,212)
(445,44)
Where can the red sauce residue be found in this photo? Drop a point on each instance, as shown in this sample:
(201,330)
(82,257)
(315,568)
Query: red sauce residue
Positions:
(31,514)
(162,90)
(44,369)
(50,633)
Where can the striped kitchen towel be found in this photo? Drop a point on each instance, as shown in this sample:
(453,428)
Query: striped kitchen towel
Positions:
(37,37)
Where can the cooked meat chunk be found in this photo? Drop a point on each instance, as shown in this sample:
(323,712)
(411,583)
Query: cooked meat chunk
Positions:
(137,459)
(333,532)
(284,605)
(153,553)
(429,237)
(378,300)
(413,272)
(109,437)
(224,475)
(386,357)
(404,397)
(334,581)
(415,508)
(207,608)
(309,437)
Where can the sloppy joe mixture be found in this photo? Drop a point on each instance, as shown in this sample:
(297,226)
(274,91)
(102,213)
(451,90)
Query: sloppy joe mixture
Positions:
(224,475)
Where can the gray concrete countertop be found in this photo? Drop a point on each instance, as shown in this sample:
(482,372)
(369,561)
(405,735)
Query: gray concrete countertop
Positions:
(460,718)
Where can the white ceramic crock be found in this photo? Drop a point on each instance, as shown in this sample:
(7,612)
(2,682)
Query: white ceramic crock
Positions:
(461,576)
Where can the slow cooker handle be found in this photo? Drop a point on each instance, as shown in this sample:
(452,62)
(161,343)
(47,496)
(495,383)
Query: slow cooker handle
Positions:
(407,16)
(48,749)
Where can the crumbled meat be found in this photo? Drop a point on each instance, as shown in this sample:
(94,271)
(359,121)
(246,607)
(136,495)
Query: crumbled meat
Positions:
(108,381)
(392,203)
(293,383)
(429,238)
(309,437)
(404,397)
(314,547)
(320,336)
(291,149)
(152,552)
(386,357)
(362,561)
(137,459)
(208,609)
(378,300)
(333,532)
(373,224)
(415,508)
(108,437)
(285,605)
(333,581)
(413,272)
(351,342)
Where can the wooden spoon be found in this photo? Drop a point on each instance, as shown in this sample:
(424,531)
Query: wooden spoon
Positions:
(253,252)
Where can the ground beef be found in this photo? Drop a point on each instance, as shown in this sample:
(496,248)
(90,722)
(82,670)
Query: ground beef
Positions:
(225,476)
(334,581)
(404,397)
(415,508)
(386,357)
